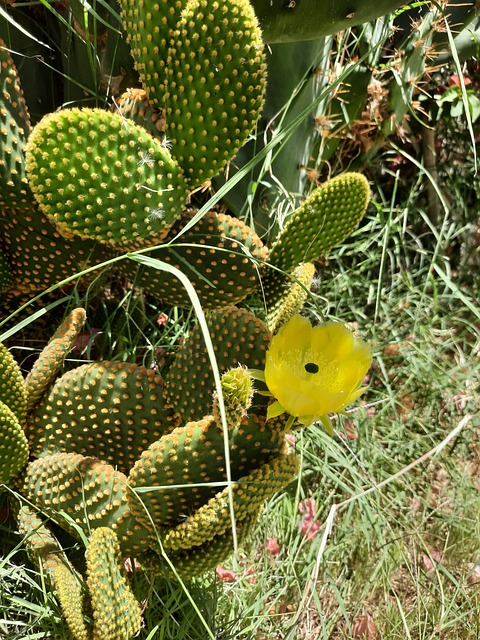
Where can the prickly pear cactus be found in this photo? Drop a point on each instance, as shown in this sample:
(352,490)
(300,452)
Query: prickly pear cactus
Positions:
(13,135)
(115,455)
(122,188)
(13,443)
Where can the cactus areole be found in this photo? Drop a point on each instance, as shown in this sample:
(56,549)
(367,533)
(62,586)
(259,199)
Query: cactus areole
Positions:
(296,20)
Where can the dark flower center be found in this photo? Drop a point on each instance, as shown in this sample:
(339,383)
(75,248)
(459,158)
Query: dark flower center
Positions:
(311,367)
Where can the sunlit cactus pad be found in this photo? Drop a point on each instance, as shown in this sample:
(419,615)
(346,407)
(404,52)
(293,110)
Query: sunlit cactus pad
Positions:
(44,548)
(112,411)
(14,130)
(213,81)
(285,294)
(116,613)
(99,176)
(52,357)
(328,216)
(220,255)
(249,494)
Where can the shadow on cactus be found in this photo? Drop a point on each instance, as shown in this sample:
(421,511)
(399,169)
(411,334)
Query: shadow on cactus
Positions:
(170,471)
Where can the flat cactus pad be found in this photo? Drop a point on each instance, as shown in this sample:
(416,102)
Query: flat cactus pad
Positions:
(99,176)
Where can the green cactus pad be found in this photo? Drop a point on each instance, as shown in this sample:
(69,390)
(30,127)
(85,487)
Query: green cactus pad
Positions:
(87,490)
(134,105)
(13,445)
(219,255)
(284,297)
(149,26)
(13,392)
(116,613)
(99,176)
(249,494)
(110,410)
(169,465)
(51,359)
(6,277)
(329,215)
(46,551)
(215,84)
(177,474)
(198,560)
(40,257)
(14,130)
(238,338)
(211,81)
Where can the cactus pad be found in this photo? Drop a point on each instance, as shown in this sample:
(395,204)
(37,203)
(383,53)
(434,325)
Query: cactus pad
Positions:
(238,338)
(40,256)
(85,489)
(116,613)
(49,362)
(13,445)
(249,494)
(99,176)
(14,130)
(219,255)
(284,296)
(330,214)
(205,63)
(197,560)
(112,411)
(46,551)
(13,392)
(215,84)
(6,278)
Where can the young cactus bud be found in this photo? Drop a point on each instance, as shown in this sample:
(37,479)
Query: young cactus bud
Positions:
(237,390)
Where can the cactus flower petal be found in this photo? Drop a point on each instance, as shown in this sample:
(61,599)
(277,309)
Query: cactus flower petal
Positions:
(314,371)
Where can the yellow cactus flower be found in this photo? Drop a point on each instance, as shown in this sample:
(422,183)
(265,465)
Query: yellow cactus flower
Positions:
(314,371)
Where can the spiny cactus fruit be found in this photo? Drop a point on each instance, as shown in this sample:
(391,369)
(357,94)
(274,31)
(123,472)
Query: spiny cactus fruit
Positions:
(101,177)
(213,80)
(14,130)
